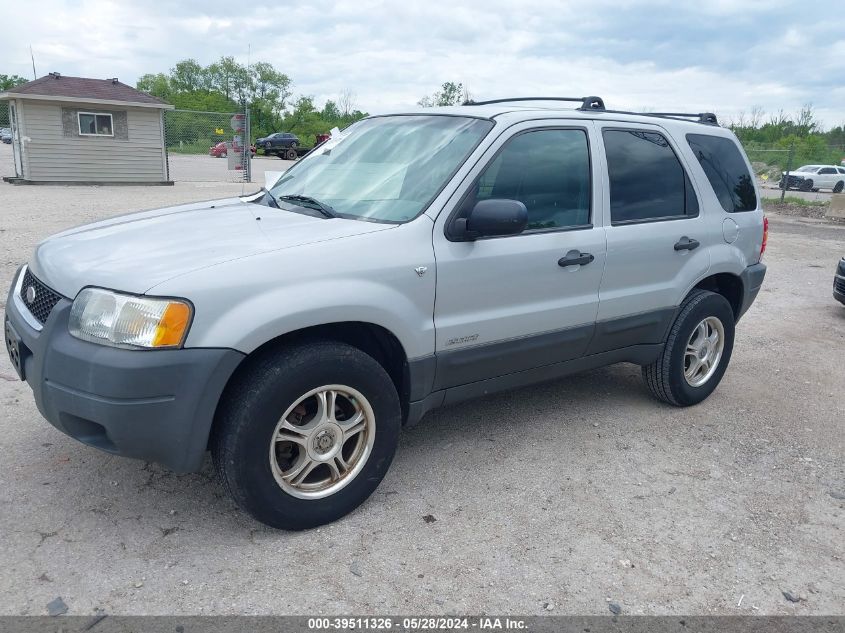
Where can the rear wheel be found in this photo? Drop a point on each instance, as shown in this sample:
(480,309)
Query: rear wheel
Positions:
(307,434)
(290,154)
(697,351)
(839,186)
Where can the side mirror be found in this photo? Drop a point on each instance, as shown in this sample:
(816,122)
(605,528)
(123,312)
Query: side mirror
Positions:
(490,218)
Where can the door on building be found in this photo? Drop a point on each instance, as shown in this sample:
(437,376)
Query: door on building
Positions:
(16,140)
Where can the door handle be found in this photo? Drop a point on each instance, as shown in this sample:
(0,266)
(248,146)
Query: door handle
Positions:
(575,258)
(686,244)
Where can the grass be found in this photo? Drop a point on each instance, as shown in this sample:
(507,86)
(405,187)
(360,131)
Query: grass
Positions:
(197,147)
(801,202)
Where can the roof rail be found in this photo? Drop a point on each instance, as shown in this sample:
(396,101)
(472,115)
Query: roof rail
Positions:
(596,104)
(703,117)
(587,103)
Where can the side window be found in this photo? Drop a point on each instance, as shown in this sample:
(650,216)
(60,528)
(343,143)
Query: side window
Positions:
(726,170)
(548,171)
(841,170)
(827,170)
(647,181)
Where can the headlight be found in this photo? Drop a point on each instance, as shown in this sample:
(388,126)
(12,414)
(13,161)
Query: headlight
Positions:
(120,320)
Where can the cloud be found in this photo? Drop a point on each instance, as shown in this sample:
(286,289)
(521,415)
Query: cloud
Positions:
(722,55)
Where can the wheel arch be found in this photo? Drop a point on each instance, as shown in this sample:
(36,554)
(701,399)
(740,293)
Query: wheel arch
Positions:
(372,339)
(729,285)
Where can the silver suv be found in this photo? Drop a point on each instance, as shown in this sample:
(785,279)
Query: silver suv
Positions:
(411,261)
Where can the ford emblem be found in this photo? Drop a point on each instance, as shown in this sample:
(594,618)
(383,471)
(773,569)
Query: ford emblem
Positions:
(30,294)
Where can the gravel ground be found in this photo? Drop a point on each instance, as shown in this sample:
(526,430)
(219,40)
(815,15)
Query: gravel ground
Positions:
(554,499)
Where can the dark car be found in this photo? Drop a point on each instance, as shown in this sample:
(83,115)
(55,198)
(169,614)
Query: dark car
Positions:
(839,282)
(277,141)
(6,135)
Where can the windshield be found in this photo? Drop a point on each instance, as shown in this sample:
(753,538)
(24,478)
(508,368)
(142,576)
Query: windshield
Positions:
(386,168)
(807,168)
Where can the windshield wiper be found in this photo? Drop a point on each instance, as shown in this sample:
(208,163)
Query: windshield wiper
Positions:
(312,203)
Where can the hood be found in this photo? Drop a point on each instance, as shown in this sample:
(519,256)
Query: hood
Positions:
(135,252)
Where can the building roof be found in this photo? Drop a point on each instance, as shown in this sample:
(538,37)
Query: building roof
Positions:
(57,87)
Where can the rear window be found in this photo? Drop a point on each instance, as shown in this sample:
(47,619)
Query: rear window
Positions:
(726,170)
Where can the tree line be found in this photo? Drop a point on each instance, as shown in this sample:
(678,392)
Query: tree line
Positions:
(769,138)
(225,85)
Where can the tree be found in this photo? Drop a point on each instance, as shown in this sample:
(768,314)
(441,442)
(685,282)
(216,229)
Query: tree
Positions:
(10,81)
(6,82)
(450,93)
(188,75)
(158,85)
(346,102)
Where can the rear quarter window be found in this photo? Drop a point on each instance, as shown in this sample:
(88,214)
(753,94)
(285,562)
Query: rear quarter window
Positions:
(726,170)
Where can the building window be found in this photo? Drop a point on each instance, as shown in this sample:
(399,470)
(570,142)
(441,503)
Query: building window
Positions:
(95,124)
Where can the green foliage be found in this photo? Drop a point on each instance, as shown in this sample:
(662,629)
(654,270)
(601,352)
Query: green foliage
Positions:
(801,202)
(450,94)
(223,86)
(769,141)
(6,82)
(10,81)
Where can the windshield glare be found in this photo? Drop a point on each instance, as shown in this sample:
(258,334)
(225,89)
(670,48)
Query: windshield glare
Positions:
(385,168)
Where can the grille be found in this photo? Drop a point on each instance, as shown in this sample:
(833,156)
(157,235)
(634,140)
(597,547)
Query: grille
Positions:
(839,285)
(45,299)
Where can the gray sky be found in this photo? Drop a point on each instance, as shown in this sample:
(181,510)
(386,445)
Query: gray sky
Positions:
(718,55)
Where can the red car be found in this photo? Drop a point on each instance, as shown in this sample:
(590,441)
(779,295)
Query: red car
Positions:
(219,150)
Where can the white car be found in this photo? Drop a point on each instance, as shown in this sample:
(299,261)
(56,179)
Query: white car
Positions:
(815,177)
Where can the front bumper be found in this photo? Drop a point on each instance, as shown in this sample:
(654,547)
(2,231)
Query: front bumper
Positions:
(155,405)
(839,283)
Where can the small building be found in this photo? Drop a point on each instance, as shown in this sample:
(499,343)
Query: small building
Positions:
(91,131)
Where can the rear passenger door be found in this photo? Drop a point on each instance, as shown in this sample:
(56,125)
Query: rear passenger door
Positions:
(657,237)
(826,178)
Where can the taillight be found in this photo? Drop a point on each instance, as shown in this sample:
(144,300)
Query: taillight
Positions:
(765,236)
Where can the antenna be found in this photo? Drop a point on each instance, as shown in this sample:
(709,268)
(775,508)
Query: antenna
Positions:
(32,57)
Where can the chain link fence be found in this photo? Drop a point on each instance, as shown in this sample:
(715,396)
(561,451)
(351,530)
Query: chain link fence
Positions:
(771,160)
(207,146)
(4,114)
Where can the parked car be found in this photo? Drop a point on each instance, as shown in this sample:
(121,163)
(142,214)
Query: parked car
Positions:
(839,282)
(302,335)
(275,142)
(6,135)
(815,177)
(219,150)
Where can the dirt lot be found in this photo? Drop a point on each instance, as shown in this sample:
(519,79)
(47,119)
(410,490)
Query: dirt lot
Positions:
(554,499)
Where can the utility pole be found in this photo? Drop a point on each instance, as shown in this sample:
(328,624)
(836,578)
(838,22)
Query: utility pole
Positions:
(788,167)
(32,57)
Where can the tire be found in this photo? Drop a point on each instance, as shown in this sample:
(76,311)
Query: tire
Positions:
(260,471)
(290,154)
(807,185)
(838,187)
(666,377)
(293,144)
(267,145)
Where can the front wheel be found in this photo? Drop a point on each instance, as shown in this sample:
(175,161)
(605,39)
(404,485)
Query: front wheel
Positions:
(306,434)
(697,351)
(807,185)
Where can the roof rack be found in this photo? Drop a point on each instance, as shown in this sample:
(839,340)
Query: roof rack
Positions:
(596,104)
(587,103)
(703,117)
